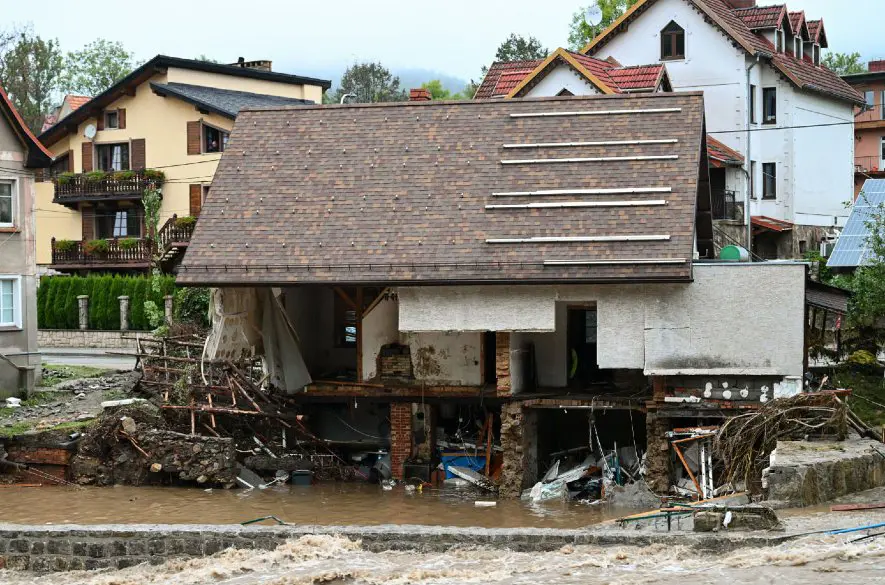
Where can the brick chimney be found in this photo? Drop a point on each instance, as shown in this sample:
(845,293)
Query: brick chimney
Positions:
(741,3)
(877,66)
(259,64)
(419,95)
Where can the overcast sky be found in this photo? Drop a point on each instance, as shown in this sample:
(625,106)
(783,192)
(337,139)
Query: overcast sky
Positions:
(454,37)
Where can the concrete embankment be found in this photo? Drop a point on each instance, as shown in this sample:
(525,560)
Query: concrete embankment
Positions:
(64,548)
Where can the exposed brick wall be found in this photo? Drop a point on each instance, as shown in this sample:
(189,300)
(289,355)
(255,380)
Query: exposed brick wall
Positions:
(47,338)
(395,361)
(502,361)
(400,436)
(519,439)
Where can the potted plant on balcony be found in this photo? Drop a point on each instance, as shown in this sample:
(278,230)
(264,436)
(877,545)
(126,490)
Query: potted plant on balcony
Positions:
(65,245)
(128,243)
(185,221)
(65,178)
(123,175)
(154,176)
(97,248)
(95,176)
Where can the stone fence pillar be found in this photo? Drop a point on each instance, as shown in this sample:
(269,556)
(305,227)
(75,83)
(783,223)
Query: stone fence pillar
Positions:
(167,301)
(83,306)
(124,313)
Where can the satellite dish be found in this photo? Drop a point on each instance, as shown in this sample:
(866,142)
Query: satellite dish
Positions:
(594,15)
(89,132)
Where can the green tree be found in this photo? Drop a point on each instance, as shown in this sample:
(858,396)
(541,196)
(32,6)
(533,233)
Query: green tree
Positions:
(206,59)
(436,89)
(370,83)
(580,32)
(844,63)
(96,67)
(519,48)
(30,71)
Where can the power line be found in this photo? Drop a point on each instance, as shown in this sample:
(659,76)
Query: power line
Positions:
(745,130)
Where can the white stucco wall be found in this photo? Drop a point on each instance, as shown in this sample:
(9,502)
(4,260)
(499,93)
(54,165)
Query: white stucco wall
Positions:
(446,358)
(479,308)
(563,77)
(380,327)
(815,165)
(734,319)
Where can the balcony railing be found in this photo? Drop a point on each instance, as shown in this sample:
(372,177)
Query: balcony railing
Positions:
(876,114)
(134,252)
(868,164)
(176,230)
(98,185)
(726,205)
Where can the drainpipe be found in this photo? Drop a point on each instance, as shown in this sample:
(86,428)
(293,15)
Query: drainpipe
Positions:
(748,165)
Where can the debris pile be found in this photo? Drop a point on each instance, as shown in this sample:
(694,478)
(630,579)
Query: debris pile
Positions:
(744,443)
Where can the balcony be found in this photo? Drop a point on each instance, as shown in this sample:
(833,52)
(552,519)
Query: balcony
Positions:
(173,239)
(123,253)
(726,206)
(73,188)
(872,118)
(868,165)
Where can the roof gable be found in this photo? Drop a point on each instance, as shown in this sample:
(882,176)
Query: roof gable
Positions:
(800,27)
(804,75)
(158,65)
(764,17)
(579,189)
(37,155)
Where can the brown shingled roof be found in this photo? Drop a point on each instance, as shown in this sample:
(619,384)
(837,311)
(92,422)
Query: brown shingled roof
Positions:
(404,193)
(803,74)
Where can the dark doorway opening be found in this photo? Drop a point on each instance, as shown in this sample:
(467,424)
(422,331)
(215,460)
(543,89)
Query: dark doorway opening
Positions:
(490,374)
(583,367)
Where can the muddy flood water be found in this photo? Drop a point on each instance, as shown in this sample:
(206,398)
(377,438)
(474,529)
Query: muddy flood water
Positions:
(325,504)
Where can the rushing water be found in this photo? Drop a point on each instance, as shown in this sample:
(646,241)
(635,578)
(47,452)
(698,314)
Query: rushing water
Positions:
(329,559)
(325,504)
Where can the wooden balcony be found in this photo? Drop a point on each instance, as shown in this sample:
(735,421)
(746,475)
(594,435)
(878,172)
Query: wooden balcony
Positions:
(71,189)
(173,239)
(122,254)
(870,119)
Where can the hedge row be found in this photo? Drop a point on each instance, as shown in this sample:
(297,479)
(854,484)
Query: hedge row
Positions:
(57,300)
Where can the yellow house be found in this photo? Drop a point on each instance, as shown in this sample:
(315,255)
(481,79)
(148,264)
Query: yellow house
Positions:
(165,124)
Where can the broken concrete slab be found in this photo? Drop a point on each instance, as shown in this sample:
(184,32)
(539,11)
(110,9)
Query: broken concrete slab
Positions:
(732,518)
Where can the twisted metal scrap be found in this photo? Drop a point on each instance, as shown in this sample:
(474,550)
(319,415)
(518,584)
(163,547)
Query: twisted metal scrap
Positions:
(744,443)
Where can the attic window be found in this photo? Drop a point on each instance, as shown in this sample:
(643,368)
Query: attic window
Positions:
(672,42)
(564,92)
(815,54)
(111,119)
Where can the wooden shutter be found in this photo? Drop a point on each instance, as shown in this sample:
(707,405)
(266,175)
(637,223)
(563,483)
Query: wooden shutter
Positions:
(137,155)
(194,141)
(70,161)
(99,123)
(88,215)
(196,199)
(86,153)
(121,118)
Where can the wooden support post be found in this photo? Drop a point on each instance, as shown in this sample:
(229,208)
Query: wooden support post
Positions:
(489,421)
(690,474)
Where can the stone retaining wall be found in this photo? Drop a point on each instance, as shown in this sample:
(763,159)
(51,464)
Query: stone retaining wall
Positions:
(67,547)
(807,473)
(64,338)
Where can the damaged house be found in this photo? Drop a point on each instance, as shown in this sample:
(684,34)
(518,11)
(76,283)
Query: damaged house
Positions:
(422,276)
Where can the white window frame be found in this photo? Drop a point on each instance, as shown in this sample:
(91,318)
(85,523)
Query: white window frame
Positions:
(16,322)
(15,196)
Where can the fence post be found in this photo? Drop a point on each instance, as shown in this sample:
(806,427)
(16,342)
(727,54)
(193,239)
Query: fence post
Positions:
(167,301)
(124,313)
(83,305)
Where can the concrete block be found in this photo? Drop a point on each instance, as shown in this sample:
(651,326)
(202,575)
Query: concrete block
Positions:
(19,545)
(156,546)
(136,548)
(96,550)
(58,546)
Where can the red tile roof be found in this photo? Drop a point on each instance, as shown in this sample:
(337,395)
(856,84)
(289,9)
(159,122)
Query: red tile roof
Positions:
(797,21)
(637,77)
(76,101)
(762,16)
(721,155)
(487,88)
(503,77)
(803,74)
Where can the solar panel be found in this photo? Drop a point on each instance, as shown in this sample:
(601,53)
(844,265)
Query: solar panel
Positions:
(851,248)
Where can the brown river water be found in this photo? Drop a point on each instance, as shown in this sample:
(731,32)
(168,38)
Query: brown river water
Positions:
(330,504)
(335,560)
